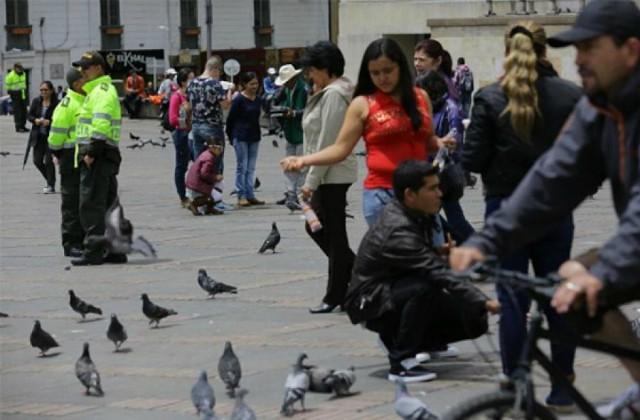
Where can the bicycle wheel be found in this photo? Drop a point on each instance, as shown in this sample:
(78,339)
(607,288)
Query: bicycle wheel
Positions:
(494,406)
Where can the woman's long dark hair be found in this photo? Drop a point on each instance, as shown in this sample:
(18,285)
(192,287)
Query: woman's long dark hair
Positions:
(53,98)
(389,48)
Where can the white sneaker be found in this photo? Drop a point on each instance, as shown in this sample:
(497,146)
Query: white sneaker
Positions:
(423,357)
(414,374)
(47,190)
(625,407)
(450,352)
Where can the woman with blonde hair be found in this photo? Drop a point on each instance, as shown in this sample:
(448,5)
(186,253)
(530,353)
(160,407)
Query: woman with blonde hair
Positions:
(513,122)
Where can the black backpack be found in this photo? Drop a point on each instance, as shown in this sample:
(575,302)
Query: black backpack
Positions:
(164,109)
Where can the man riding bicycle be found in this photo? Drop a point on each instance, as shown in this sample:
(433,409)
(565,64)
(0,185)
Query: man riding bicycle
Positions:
(600,140)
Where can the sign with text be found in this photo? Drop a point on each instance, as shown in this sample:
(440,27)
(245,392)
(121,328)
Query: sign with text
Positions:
(123,61)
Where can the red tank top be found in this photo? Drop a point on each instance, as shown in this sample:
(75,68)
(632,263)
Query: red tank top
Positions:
(390,138)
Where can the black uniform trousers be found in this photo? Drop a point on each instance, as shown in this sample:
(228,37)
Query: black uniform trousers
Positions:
(71,228)
(19,106)
(426,318)
(329,202)
(98,191)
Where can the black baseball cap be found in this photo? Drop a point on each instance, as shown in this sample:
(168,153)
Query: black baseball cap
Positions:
(89,58)
(72,75)
(620,18)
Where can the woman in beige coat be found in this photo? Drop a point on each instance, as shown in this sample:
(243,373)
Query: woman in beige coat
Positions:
(326,186)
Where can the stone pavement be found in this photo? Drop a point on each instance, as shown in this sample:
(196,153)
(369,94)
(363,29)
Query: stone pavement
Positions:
(267,322)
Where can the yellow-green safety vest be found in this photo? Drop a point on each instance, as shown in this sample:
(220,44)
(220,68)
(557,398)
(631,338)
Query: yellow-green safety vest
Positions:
(100,116)
(62,134)
(15,81)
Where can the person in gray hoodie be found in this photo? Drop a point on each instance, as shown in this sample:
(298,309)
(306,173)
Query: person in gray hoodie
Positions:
(326,186)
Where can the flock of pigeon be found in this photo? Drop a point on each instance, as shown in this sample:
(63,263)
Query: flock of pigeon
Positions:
(139,143)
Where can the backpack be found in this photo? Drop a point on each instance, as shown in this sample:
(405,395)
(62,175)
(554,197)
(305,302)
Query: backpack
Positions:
(164,107)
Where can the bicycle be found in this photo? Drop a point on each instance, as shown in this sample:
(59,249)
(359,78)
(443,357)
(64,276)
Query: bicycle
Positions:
(516,398)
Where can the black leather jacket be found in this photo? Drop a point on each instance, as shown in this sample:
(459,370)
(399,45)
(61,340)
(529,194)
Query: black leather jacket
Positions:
(493,149)
(398,246)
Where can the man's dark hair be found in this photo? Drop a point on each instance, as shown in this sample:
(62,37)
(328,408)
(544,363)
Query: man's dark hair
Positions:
(410,174)
(214,141)
(435,85)
(461,61)
(247,77)
(324,55)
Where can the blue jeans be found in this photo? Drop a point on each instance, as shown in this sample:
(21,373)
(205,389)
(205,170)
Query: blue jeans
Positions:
(373,201)
(246,157)
(458,224)
(546,255)
(181,143)
(200,132)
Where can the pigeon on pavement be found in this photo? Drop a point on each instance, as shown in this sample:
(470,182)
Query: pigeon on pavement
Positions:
(340,381)
(133,136)
(42,339)
(229,369)
(87,373)
(272,240)
(3,315)
(411,408)
(5,154)
(116,332)
(256,184)
(118,235)
(202,397)
(296,386)
(274,143)
(241,411)
(213,287)
(154,312)
(82,307)
(317,375)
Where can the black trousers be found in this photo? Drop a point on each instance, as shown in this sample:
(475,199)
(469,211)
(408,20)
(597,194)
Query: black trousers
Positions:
(71,228)
(329,202)
(132,102)
(43,160)
(98,191)
(19,106)
(426,318)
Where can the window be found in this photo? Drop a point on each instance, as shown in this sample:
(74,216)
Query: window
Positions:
(189,29)
(18,28)
(262,22)
(110,24)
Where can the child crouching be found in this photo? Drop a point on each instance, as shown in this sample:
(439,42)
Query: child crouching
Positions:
(204,183)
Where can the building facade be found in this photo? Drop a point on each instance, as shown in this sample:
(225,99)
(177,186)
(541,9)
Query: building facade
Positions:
(47,35)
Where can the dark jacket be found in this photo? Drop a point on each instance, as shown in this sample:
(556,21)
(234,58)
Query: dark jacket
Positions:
(491,146)
(398,246)
(296,100)
(601,140)
(243,120)
(34,112)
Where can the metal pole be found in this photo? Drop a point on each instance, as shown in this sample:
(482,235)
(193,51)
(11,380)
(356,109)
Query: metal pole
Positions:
(208,21)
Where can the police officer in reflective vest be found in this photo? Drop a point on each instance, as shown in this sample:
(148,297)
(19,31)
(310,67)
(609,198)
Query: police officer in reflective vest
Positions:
(98,154)
(16,84)
(62,143)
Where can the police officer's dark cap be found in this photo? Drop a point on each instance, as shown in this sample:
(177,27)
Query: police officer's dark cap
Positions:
(618,18)
(72,75)
(89,58)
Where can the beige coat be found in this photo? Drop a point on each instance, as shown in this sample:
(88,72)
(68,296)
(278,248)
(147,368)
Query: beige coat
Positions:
(321,123)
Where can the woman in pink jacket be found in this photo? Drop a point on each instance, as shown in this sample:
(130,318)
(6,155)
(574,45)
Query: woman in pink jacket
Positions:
(180,119)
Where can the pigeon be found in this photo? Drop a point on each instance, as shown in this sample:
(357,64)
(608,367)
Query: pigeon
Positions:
(3,315)
(411,408)
(317,376)
(154,312)
(87,374)
(229,369)
(241,411)
(202,396)
(82,307)
(256,184)
(118,235)
(155,143)
(275,143)
(213,287)
(133,136)
(134,146)
(296,386)
(340,381)
(116,332)
(42,339)
(272,240)
(164,139)
(5,154)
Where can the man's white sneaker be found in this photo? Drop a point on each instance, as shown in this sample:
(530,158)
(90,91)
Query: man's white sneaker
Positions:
(625,407)
(423,357)
(449,353)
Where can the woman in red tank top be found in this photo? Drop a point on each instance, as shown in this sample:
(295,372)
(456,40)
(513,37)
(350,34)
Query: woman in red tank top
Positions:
(392,116)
